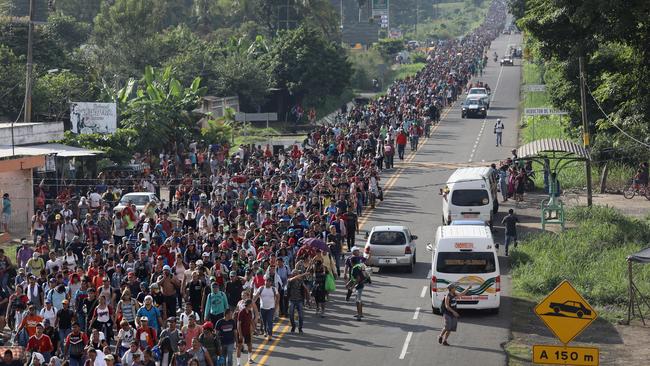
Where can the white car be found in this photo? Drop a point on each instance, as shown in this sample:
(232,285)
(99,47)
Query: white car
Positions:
(140,199)
(480,93)
(391,246)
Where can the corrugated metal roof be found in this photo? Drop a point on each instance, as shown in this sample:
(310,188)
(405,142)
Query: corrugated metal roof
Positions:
(47,149)
(536,147)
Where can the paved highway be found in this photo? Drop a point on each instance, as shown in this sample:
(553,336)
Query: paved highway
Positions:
(399,327)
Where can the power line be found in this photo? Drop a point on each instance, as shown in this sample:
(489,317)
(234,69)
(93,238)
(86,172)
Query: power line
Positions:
(612,122)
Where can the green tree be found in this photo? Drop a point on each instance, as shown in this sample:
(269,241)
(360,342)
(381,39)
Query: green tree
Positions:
(303,61)
(54,91)
(161,110)
(12,82)
(82,10)
(124,33)
(389,47)
(217,132)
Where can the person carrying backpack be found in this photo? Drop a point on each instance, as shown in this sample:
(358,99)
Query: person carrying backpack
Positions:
(449,314)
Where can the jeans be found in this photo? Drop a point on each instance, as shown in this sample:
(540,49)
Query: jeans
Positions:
(510,238)
(499,135)
(63,334)
(283,301)
(77,361)
(400,151)
(228,351)
(292,307)
(267,320)
(337,262)
(4,282)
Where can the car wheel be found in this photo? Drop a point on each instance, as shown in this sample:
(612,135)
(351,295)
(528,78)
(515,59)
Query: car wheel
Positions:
(435,310)
(556,310)
(580,314)
(414,257)
(494,311)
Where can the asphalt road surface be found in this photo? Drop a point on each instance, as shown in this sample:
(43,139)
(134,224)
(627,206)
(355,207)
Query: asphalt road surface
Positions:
(399,327)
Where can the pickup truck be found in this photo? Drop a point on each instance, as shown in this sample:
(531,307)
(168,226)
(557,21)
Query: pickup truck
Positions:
(573,307)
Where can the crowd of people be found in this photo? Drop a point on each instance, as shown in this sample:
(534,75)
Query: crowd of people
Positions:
(249,235)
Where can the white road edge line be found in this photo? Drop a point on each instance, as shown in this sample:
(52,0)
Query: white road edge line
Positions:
(424,291)
(406,345)
(417,312)
(429,274)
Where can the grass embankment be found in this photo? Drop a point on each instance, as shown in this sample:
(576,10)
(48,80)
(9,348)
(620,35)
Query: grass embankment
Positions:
(541,127)
(454,19)
(591,255)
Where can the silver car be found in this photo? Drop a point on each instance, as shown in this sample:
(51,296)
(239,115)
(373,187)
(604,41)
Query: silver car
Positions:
(391,246)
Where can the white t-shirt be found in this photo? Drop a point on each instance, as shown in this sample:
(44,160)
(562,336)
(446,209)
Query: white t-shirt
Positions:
(126,337)
(94,199)
(49,315)
(267,297)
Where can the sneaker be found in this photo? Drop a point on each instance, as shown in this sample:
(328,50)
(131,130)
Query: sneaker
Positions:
(293,329)
(347,296)
(445,343)
(440,340)
(300,331)
(251,361)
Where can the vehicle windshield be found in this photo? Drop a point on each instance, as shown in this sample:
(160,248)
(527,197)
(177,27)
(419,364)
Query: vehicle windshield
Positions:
(474,101)
(388,238)
(478,91)
(139,200)
(470,197)
(465,262)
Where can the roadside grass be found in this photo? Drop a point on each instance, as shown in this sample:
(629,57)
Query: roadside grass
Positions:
(406,70)
(572,176)
(592,255)
(454,20)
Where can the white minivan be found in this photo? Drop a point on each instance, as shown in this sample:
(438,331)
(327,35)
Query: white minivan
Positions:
(470,194)
(466,256)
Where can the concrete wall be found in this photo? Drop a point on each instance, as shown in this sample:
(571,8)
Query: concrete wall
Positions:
(18,183)
(31,133)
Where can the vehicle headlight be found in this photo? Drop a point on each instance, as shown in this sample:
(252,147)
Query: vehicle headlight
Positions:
(482,108)
(464,108)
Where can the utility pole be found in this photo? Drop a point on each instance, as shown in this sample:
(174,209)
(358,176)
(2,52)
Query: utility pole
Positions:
(585,128)
(28,77)
(417,16)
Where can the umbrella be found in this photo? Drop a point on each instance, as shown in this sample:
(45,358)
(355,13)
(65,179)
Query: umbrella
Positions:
(316,244)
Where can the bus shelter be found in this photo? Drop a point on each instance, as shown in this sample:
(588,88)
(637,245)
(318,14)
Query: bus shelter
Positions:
(553,155)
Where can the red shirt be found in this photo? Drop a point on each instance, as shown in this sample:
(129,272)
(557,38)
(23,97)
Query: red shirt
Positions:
(40,344)
(245,319)
(401,138)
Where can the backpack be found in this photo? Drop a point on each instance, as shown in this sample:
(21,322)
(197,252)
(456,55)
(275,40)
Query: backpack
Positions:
(361,273)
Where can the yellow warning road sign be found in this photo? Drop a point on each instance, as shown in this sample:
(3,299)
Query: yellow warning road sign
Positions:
(565,312)
(560,355)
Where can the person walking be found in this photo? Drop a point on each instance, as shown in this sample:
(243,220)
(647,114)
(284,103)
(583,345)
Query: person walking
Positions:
(296,290)
(245,331)
(510,222)
(269,298)
(498,130)
(449,314)
(227,332)
(6,212)
(401,143)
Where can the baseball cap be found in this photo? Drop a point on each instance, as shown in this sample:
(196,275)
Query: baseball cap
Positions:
(208,325)
(144,319)
(167,268)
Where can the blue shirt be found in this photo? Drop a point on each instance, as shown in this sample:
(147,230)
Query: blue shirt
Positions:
(6,206)
(152,314)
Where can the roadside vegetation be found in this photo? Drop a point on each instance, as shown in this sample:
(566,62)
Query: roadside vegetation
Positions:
(449,20)
(541,127)
(607,37)
(591,255)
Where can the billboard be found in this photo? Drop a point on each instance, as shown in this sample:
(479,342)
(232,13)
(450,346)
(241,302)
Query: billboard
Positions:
(89,117)
(379,8)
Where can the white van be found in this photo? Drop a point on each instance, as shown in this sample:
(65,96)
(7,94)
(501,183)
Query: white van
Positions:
(465,255)
(470,194)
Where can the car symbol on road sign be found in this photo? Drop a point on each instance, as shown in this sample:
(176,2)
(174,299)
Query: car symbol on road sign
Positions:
(565,312)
